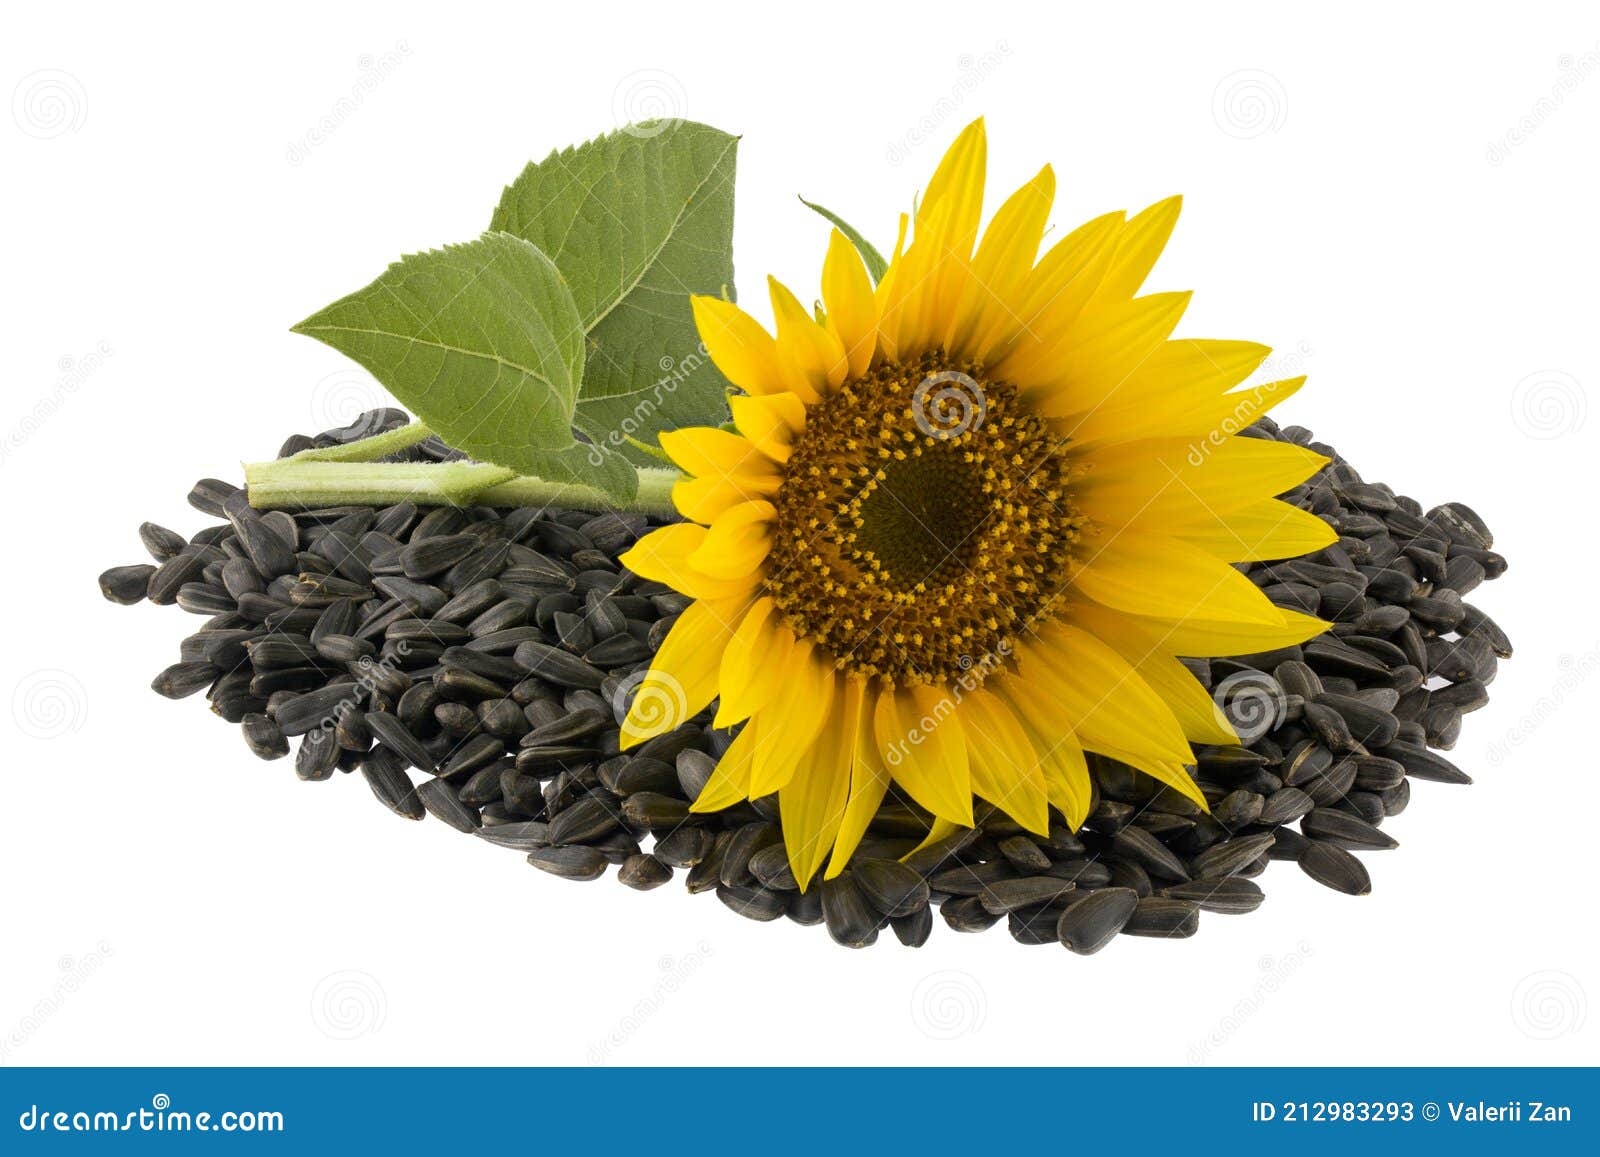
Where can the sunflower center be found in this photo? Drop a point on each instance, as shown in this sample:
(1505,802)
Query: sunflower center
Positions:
(925,518)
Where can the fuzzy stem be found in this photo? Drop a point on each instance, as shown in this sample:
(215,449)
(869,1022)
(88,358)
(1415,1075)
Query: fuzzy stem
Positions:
(369,449)
(307,483)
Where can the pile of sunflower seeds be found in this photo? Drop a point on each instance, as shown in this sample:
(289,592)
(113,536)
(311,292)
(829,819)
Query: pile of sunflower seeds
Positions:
(474,665)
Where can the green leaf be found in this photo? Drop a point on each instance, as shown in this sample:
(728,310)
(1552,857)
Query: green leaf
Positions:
(484,343)
(636,221)
(876,265)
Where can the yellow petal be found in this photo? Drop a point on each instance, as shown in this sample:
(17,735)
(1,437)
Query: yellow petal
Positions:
(1202,639)
(1066,781)
(754,663)
(1061,759)
(1193,368)
(702,499)
(770,423)
(1099,696)
(663,556)
(789,728)
(1191,704)
(706,452)
(737,543)
(953,203)
(746,354)
(1170,772)
(730,782)
(1054,295)
(683,675)
(852,311)
(909,317)
(1139,243)
(1258,532)
(1147,574)
(1005,766)
(1168,479)
(1101,352)
(885,291)
(811,359)
(924,748)
(990,297)
(869,782)
(812,804)
(1207,418)
(938,830)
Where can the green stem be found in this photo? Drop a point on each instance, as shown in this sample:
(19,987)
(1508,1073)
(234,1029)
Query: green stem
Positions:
(654,495)
(305,483)
(369,449)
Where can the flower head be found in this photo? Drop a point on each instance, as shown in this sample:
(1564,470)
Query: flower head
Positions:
(970,519)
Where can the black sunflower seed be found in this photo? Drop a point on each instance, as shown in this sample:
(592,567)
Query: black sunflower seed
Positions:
(525,836)
(171,575)
(1347,831)
(1335,868)
(127,584)
(644,872)
(1144,849)
(557,666)
(161,542)
(1163,917)
(1004,896)
(570,863)
(1229,894)
(770,866)
(1088,924)
(685,847)
(1230,856)
(264,737)
(183,679)
(967,914)
(890,887)
(850,920)
(317,755)
(584,821)
(753,903)
(1285,806)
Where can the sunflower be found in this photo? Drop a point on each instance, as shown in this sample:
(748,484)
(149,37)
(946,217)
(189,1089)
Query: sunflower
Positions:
(971,517)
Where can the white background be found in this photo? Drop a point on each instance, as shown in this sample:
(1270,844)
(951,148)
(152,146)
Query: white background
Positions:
(1402,203)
